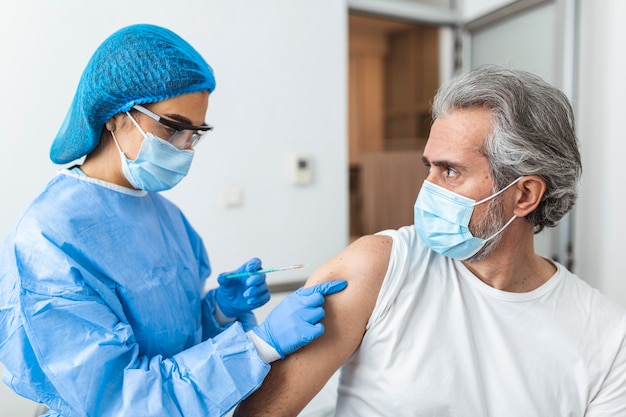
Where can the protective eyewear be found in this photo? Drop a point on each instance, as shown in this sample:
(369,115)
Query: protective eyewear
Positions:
(182,136)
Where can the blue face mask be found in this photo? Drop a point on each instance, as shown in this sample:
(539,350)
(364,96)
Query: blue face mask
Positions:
(442,221)
(159,165)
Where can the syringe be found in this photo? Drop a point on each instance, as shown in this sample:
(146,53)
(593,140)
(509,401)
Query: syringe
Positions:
(264,271)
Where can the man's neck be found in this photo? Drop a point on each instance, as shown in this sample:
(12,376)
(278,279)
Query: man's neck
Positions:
(514,268)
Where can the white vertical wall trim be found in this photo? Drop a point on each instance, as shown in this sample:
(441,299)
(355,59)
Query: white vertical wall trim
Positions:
(600,225)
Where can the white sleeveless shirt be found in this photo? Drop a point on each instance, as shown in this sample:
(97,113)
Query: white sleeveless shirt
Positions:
(442,343)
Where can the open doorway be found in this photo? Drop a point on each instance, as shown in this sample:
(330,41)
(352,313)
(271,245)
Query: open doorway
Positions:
(393,76)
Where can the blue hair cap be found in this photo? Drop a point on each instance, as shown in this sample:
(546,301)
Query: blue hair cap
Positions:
(138,64)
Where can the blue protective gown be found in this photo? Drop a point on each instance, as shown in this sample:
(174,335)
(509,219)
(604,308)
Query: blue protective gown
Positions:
(102,313)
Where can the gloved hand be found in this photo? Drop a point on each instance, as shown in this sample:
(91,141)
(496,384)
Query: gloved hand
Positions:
(236,296)
(295,321)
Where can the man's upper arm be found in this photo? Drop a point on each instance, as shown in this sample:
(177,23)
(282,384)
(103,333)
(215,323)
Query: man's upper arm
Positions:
(294,381)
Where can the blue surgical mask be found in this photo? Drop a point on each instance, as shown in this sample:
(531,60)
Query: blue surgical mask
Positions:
(158,166)
(442,221)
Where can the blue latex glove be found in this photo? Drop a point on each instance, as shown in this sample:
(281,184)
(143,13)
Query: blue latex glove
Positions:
(295,322)
(237,296)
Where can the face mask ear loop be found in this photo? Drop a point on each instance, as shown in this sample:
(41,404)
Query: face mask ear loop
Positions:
(502,228)
(115,141)
(132,119)
(499,192)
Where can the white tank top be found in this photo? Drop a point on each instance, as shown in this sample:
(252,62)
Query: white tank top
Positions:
(441,343)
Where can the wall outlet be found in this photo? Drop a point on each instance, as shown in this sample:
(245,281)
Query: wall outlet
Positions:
(301,169)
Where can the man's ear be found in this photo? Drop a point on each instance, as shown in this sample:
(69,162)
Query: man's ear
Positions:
(530,190)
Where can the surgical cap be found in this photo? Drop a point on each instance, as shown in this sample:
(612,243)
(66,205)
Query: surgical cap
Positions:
(137,64)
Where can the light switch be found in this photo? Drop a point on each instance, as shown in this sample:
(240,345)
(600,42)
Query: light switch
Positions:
(232,196)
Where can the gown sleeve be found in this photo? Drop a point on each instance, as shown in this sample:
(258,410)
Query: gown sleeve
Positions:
(70,346)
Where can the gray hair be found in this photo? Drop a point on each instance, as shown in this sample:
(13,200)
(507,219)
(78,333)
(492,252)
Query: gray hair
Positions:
(533,133)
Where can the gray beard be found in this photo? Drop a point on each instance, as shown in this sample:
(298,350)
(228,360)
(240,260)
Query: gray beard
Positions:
(486,227)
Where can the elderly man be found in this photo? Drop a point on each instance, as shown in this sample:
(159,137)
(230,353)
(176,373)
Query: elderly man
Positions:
(457,315)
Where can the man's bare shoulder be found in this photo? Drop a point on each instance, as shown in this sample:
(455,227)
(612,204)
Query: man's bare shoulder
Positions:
(365,261)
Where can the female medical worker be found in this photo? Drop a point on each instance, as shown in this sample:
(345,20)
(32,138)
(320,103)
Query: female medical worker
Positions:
(101,310)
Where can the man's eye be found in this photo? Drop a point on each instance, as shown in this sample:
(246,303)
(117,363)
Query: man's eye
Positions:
(451,172)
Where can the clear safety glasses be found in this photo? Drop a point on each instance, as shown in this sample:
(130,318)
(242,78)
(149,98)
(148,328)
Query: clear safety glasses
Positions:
(180,135)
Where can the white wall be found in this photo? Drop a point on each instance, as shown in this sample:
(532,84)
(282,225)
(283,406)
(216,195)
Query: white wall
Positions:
(280,67)
(280,89)
(600,220)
